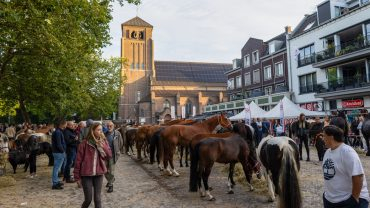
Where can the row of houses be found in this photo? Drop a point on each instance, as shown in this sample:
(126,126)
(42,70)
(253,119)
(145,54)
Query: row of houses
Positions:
(323,64)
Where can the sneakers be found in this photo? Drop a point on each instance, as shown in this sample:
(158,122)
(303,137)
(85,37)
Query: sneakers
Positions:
(57,187)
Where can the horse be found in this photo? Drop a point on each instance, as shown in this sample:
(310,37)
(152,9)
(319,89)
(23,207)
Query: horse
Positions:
(175,135)
(141,140)
(366,132)
(341,122)
(4,143)
(279,157)
(232,149)
(130,139)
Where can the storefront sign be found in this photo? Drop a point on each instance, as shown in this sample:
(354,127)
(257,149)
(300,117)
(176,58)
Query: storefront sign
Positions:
(310,106)
(353,103)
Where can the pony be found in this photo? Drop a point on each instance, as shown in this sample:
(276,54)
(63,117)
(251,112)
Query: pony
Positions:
(366,132)
(279,157)
(232,149)
(175,135)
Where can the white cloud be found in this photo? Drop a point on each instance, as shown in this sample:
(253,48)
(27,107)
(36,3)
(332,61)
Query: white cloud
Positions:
(208,30)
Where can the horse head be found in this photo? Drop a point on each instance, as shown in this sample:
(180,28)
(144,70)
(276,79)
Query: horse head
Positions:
(224,121)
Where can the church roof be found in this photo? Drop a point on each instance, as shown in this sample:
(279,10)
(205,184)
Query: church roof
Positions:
(175,71)
(137,21)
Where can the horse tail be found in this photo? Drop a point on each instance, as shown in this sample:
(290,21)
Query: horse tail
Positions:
(153,143)
(289,194)
(194,175)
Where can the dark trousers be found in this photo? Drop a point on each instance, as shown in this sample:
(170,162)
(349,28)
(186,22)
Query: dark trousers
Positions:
(90,183)
(32,161)
(304,140)
(71,156)
(349,203)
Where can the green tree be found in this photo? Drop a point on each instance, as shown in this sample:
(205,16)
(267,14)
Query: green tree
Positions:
(50,53)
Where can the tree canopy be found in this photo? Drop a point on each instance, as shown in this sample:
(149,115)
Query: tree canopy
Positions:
(50,58)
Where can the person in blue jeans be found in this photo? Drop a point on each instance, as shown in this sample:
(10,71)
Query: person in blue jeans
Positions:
(72,141)
(59,148)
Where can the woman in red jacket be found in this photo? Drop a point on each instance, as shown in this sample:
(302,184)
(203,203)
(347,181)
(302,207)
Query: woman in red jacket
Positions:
(90,164)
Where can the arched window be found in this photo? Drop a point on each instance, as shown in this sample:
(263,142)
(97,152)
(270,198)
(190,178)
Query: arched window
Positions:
(188,109)
(166,104)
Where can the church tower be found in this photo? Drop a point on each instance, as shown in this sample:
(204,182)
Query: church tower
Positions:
(137,49)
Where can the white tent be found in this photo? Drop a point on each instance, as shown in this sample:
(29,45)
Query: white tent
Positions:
(256,112)
(291,110)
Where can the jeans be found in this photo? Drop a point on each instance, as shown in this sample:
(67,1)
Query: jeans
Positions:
(71,156)
(349,203)
(64,164)
(90,183)
(304,139)
(58,162)
(110,173)
(32,161)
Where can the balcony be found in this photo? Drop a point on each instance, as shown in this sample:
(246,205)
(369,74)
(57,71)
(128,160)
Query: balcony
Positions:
(340,87)
(308,89)
(306,60)
(354,49)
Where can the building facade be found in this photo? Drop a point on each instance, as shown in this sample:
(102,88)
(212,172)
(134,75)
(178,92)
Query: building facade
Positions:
(162,90)
(260,75)
(329,56)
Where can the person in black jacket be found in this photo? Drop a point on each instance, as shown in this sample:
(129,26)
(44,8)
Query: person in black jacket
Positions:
(72,141)
(58,146)
(255,127)
(300,129)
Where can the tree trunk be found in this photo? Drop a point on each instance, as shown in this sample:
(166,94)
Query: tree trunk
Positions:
(24,112)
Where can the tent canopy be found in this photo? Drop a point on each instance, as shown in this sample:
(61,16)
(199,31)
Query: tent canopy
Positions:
(291,110)
(256,112)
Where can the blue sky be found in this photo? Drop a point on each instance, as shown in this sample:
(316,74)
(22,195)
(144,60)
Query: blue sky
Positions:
(208,30)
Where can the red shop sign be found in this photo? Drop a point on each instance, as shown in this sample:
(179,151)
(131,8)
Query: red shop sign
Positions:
(352,103)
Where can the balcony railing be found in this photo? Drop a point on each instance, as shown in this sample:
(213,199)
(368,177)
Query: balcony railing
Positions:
(342,84)
(310,59)
(308,89)
(345,48)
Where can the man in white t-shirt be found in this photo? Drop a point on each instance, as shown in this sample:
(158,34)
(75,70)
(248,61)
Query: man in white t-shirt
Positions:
(345,184)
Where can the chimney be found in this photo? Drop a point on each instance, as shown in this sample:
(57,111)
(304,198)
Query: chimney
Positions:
(288,29)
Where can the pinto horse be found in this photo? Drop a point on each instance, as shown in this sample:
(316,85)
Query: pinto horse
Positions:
(175,135)
(232,149)
(279,157)
(366,132)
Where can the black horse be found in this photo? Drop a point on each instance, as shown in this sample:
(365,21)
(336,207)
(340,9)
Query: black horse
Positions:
(341,122)
(280,160)
(366,132)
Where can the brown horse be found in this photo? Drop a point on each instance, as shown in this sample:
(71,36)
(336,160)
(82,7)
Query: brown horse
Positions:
(175,135)
(141,140)
(232,149)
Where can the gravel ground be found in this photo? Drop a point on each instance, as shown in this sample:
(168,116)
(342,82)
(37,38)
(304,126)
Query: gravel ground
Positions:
(139,184)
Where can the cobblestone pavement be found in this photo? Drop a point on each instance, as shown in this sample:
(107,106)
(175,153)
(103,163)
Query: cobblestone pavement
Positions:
(139,184)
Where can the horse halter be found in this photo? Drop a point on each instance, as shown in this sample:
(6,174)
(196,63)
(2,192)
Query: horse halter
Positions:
(224,124)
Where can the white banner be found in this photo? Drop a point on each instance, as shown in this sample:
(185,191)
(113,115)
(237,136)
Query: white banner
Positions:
(173,116)
(247,110)
(282,115)
(183,112)
(194,111)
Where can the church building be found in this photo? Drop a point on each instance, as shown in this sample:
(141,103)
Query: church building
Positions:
(154,91)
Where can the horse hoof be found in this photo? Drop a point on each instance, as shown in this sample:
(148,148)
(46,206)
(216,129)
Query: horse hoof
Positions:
(212,199)
(230,192)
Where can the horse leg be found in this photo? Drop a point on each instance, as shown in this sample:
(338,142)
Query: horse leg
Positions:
(230,181)
(270,186)
(171,161)
(205,175)
(186,156)
(181,154)
(248,174)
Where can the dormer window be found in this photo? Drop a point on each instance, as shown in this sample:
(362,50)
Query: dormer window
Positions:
(271,48)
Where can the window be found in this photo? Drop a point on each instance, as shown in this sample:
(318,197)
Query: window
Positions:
(279,71)
(236,63)
(307,83)
(256,76)
(127,34)
(247,79)
(365,1)
(238,81)
(306,55)
(268,90)
(255,57)
(280,87)
(309,26)
(247,61)
(230,84)
(368,32)
(247,94)
(166,104)
(188,109)
(271,47)
(138,96)
(267,73)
